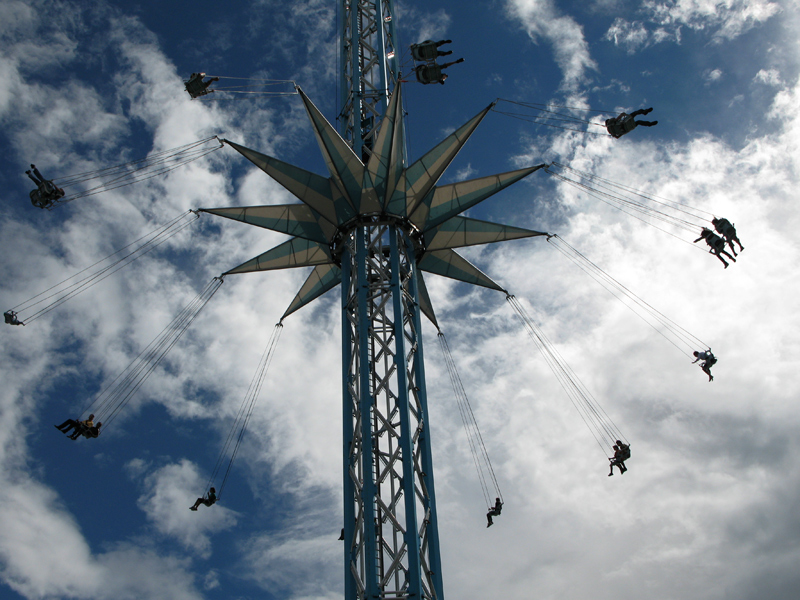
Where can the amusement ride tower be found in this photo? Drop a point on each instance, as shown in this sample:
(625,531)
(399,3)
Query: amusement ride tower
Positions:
(373,225)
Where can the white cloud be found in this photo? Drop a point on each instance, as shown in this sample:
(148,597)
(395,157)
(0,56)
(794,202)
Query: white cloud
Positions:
(542,20)
(632,35)
(169,492)
(432,26)
(43,552)
(771,77)
(304,565)
(663,21)
(727,19)
(465,173)
(708,458)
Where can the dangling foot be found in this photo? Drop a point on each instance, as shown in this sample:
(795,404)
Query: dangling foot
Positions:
(648,111)
(28,172)
(33,166)
(611,474)
(460,60)
(192,508)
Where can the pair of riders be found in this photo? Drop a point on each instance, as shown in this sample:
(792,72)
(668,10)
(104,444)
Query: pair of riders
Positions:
(622,452)
(85,428)
(709,360)
(717,243)
(427,52)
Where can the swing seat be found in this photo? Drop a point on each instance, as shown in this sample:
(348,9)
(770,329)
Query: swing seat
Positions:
(46,195)
(424,51)
(428,74)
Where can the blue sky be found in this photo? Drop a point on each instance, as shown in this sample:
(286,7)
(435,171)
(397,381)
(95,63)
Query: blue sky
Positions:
(708,507)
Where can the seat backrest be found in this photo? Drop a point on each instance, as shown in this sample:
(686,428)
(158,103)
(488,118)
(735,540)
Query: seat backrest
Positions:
(429,74)
(424,51)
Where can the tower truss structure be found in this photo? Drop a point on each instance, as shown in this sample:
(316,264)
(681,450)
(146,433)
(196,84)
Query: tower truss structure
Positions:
(373,226)
(369,70)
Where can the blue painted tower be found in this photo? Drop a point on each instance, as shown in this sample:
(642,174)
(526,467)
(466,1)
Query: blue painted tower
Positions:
(373,225)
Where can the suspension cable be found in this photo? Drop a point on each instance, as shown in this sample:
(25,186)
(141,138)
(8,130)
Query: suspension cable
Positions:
(253,88)
(64,290)
(109,402)
(157,163)
(68,180)
(624,206)
(603,429)
(480,456)
(614,195)
(685,208)
(537,105)
(545,108)
(236,433)
(548,122)
(545,116)
(663,325)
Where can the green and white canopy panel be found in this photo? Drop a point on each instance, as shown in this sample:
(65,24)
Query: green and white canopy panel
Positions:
(382,188)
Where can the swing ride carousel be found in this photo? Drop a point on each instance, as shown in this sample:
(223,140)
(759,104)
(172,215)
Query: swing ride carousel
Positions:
(372,227)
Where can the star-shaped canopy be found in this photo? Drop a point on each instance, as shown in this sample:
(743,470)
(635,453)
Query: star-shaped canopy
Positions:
(383,187)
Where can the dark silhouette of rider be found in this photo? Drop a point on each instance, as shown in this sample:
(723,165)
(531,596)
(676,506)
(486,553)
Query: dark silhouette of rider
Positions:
(494,512)
(625,123)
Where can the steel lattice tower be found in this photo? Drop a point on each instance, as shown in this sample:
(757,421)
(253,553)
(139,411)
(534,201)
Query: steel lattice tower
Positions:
(390,524)
(368,69)
(372,226)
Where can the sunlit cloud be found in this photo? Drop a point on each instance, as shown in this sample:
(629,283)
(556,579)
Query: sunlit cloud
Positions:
(542,20)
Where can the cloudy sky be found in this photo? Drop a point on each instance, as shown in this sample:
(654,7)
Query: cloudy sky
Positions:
(707,509)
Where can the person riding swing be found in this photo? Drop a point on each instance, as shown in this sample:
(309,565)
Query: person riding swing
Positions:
(715,243)
(709,360)
(46,192)
(11,318)
(85,428)
(625,123)
(429,50)
(197,87)
(432,73)
(727,230)
(208,500)
(494,512)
